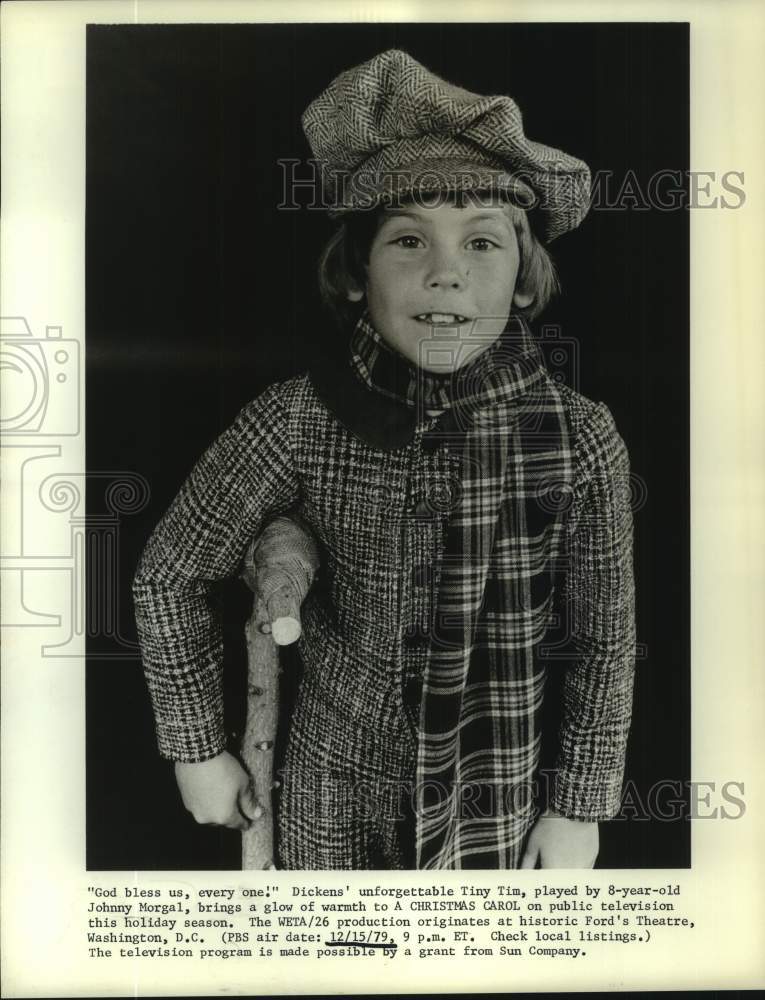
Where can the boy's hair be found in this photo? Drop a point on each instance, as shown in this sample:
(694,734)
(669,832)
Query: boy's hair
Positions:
(344,259)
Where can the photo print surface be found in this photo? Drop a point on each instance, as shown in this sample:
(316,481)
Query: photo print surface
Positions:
(203,233)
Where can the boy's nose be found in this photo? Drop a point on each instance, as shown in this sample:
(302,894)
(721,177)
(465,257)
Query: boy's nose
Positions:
(445,272)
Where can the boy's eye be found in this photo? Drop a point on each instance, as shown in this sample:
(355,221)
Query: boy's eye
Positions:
(481,243)
(409,242)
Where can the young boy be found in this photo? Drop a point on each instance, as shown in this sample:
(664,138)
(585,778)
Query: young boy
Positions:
(461,497)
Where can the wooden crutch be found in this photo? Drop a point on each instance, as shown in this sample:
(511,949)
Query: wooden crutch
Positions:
(279,568)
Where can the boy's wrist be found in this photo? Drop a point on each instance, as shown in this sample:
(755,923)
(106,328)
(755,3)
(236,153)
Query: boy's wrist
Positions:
(576,795)
(196,763)
(188,747)
(552,813)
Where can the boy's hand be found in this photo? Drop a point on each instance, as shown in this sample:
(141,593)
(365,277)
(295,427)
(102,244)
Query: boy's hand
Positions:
(218,792)
(558,842)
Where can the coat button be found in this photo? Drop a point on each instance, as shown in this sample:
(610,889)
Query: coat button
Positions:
(415,640)
(412,692)
(441,498)
(421,508)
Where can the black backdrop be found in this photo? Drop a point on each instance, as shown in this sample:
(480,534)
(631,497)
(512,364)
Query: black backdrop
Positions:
(200,292)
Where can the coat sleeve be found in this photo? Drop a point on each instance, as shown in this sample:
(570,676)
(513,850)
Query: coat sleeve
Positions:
(600,598)
(246,476)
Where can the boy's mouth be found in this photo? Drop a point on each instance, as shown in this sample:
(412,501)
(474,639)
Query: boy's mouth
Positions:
(441,319)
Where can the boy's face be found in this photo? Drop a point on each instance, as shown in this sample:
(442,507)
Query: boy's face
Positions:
(441,281)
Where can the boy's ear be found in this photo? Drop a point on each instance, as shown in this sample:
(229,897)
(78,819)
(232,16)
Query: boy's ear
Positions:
(354,292)
(522,299)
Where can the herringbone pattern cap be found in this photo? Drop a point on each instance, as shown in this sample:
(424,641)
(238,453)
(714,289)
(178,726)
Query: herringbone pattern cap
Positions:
(390,128)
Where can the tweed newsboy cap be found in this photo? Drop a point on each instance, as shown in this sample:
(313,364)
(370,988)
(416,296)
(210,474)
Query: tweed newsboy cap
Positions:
(390,128)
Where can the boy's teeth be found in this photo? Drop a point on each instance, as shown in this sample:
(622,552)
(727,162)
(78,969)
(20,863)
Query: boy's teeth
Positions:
(442,317)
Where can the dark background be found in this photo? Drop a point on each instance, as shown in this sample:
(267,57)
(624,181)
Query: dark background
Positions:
(200,292)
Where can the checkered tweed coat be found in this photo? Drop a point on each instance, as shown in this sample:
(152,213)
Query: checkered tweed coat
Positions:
(382,529)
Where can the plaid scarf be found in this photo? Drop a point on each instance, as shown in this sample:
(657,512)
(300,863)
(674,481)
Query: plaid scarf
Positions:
(500,373)
(482,690)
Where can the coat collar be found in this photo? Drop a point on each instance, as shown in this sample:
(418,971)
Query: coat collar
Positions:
(380,409)
(379,421)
